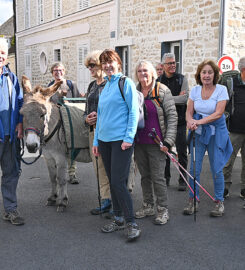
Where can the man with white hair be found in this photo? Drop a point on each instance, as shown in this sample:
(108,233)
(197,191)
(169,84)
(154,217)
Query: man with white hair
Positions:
(237,128)
(11,100)
(178,85)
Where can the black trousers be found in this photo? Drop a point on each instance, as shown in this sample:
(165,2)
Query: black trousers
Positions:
(181,147)
(117,164)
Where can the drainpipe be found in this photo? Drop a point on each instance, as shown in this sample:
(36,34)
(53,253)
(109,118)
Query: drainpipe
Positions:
(222,28)
(15,40)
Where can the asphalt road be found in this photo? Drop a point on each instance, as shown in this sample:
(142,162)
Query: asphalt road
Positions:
(72,240)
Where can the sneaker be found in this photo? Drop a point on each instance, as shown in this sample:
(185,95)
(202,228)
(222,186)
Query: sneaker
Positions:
(133,232)
(162,216)
(113,226)
(105,207)
(189,209)
(242,194)
(73,180)
(145,210)
(182,186)
(14,217)
(218,210)
(226,193)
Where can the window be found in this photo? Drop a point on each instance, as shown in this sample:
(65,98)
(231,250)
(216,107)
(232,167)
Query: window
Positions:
(57,55)
(82,4)
(83,77)
(43,63)
(123,52)
(40,11)
(27,13)
(57,8)
(27,59)
(176,48)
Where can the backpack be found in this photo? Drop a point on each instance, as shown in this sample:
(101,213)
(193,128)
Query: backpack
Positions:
(226,79)
(141,121)
(69,83)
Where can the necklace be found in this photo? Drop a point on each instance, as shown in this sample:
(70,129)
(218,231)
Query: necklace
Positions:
(206,94)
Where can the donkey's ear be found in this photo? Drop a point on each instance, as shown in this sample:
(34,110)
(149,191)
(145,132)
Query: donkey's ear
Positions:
(26,84)
(51,89)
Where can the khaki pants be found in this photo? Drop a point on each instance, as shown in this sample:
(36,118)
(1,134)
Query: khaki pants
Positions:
(151,161)
(238,142)
(71,167)
(103,179)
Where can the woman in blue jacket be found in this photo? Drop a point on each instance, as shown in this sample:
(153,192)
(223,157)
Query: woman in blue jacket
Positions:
(114,136)
(205,117)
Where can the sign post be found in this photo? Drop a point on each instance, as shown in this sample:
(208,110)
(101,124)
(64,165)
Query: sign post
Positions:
(226,63)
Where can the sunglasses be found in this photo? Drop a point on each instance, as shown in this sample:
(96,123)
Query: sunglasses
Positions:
(91,65)
(170,63)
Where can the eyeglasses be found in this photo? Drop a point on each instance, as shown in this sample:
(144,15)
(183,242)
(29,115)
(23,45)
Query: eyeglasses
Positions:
(170,63)
(58,70)
(91,65)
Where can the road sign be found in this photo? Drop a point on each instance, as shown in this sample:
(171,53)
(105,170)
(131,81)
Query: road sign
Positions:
(226,63)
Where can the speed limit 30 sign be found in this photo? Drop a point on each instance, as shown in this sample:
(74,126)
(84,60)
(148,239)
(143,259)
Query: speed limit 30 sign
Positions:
(226,63)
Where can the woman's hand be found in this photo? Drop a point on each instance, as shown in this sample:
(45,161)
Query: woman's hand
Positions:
(164,148)
(95,151)
(126,145)
(192,124)
(91,118)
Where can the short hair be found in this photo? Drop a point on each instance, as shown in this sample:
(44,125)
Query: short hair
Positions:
(213,66)
(4,44)
(168,55)
(150,67)
(93,56)
(110,55)
(241,64)
(58,64)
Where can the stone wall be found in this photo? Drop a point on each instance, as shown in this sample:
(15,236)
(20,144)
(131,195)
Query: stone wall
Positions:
(148,19)
(235,34)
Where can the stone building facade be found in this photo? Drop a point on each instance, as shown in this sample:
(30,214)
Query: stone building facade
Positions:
(56,30)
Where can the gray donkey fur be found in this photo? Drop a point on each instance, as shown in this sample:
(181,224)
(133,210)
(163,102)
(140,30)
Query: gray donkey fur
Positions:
(42,115)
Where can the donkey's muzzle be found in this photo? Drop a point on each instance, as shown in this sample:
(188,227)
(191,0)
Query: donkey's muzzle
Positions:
(32,148)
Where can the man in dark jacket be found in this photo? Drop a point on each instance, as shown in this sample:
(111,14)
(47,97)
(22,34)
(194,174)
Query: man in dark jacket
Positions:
(178,85)
(237,128)
(11,128)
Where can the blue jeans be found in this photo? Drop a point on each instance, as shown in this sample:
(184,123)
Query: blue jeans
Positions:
(218,178)
(10,174)
(117,164)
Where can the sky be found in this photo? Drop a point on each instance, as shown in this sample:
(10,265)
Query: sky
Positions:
(6,10)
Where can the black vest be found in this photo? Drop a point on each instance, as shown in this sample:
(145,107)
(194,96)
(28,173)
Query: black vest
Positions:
(174,84)
(237,123)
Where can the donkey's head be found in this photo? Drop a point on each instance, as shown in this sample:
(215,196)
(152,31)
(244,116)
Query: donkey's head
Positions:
(36,111)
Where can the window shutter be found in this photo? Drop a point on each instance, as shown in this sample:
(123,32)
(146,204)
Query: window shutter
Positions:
(83,73)
(84,4)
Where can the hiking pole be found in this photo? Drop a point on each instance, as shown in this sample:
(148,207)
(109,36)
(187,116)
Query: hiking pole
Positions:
(194,171)
(98,182)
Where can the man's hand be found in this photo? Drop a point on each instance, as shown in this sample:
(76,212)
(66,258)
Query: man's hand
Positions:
(164,148)
(19,129)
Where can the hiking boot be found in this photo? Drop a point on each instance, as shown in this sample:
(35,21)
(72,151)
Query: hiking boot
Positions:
(14,217)
(105,207)
(145,210)
(162,216)
(110,214)
(218,210)
(133,231)
(113,226)
(226,193)
(242,194)
(182,186)
(73,180)
(189,209)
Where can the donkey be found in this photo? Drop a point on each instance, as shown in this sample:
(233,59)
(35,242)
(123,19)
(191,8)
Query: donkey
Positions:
(42,125)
